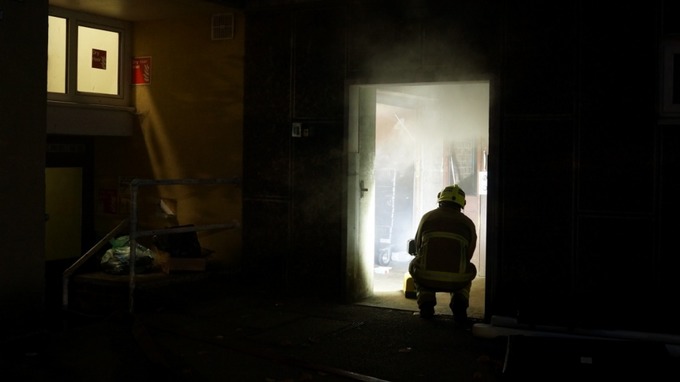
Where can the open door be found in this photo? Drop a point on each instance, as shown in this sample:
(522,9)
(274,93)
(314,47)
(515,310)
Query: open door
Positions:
(406,142)
(360,193)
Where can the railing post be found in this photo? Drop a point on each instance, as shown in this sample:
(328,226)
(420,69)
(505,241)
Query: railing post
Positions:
(64,292)
(134,233)
(72,269)
(133,242)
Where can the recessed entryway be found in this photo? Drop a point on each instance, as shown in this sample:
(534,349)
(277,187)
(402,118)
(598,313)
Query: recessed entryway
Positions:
(411,141)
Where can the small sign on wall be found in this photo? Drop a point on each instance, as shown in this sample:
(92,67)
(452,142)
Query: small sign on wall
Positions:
(141,70)
(108,201)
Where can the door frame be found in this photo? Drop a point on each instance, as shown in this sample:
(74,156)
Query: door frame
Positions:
(360,148)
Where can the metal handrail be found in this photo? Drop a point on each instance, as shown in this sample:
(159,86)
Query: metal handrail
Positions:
(131,221)
(134,234)
(71,270)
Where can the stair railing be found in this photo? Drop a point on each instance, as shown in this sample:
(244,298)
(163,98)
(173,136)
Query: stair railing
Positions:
(95,249)
(135,234)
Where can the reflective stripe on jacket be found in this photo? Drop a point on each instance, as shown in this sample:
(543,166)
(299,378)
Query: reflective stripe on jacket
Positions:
(445,242)
(442,257)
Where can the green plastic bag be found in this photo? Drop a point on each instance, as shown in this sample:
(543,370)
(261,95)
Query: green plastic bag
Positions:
(116,260)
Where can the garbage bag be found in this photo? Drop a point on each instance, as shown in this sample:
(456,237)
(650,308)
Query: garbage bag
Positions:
(116,260)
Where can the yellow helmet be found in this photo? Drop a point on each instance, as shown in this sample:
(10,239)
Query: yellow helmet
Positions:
(453,194)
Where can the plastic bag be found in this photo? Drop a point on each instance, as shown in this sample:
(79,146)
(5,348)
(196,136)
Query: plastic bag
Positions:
(116,260)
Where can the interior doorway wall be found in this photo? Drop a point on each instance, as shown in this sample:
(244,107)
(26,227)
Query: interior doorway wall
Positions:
(69,224)
(63,204)
(411,141)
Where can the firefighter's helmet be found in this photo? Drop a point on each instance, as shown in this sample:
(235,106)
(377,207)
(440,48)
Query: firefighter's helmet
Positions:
(453,194)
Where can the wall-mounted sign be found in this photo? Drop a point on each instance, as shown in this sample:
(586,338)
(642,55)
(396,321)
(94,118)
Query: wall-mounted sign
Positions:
(141,70)
(108,201)
(98,59)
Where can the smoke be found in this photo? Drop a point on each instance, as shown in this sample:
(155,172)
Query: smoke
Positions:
(427,136)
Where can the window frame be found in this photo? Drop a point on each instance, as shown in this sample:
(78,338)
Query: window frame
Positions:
(72,95)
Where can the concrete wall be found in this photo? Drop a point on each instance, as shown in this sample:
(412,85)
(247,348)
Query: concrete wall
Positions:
(581,165)
(23,64)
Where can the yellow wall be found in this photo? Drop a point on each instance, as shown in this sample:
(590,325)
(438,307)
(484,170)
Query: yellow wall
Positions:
(63,206)
(190,119)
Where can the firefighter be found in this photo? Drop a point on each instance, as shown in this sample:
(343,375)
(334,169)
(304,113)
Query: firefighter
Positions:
(444,244)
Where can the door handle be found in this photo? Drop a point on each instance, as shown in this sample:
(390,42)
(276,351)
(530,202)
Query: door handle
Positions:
(362,189)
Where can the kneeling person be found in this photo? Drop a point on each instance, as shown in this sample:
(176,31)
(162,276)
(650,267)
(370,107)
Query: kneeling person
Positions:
(444,244)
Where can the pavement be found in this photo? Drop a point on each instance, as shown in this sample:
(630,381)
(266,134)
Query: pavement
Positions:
(230,334)
(216,330)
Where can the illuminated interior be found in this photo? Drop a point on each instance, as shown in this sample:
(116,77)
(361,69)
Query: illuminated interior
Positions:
(427,136)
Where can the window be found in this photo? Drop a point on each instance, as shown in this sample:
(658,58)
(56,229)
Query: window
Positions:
(87,59)
(97,61)
(56,55)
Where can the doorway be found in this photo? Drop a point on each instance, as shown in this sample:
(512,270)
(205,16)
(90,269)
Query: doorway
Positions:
(63,207)
(69,222)
(412,140)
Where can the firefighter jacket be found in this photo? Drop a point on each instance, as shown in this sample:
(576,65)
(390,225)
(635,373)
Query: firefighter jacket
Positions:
(445,242)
